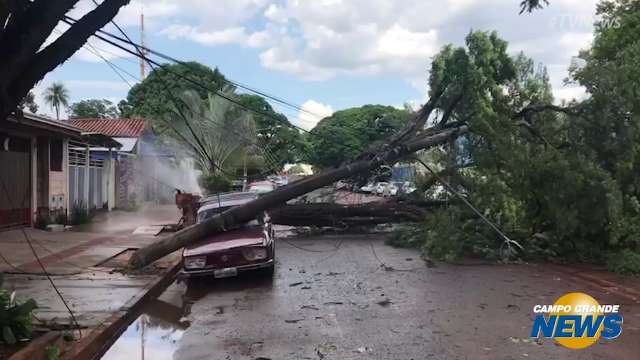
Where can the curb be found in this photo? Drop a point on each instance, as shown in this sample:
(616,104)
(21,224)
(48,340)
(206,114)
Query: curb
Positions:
(95,343)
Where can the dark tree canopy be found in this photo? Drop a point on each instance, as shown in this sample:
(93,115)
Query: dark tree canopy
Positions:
(93,108)
(154,96)
(347,133)
(29,102)
(25,26)
(531,5)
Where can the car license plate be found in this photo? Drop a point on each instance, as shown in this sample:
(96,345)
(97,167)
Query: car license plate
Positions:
(224,273)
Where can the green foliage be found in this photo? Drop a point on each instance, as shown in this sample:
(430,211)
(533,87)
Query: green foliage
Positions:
(93,108)
(52,352)
(42,220)
(273,131)
(80,214)
(531,5)
(624,262)
(153,98)
(565,187)
(215,183)
(215,132)
(345,134)
(15,318)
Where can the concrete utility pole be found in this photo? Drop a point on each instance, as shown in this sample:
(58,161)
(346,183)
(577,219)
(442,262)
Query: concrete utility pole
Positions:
(141,49)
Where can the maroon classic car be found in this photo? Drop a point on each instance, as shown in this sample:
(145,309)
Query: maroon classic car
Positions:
(247,247)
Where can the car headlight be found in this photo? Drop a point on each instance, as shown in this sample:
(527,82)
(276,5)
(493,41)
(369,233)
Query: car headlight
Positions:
(195,262)
(252,254)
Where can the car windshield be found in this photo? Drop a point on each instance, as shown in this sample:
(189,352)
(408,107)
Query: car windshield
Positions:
(206,214)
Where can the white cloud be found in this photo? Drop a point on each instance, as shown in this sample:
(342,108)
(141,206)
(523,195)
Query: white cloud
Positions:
(569,93)
(226,36)
(321,39)
(312,114)
(572,42)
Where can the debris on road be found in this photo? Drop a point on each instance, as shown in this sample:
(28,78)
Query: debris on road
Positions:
(293,321)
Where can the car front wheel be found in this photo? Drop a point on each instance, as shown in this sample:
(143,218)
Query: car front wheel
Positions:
(269,271)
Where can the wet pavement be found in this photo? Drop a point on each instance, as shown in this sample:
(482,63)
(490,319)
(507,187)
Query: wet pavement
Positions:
(352,297)
(122,222)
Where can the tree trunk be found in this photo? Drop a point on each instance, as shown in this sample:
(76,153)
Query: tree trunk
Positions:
(336,215)
(244,213)
(24,64)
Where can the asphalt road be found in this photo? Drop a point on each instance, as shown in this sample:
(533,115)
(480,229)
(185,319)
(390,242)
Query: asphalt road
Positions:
(352,297)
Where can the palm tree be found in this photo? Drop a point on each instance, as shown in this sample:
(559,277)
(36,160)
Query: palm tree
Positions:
(56,96)
(214,130)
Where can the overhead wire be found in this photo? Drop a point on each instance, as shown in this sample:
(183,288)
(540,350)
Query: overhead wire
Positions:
(214,91)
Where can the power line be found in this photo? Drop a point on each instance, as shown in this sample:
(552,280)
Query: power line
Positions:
(218,93)
(141,49)
(199,143)
(507,241)
(140,54)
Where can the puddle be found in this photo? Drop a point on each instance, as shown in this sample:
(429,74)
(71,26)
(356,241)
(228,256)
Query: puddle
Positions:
(157,332)
(146,338)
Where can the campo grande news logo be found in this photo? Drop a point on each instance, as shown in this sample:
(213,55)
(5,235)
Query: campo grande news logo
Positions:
(577,321)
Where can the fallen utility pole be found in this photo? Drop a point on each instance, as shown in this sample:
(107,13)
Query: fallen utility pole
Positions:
(247,212)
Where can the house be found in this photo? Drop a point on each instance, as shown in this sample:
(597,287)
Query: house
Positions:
(145,170)
(46,169)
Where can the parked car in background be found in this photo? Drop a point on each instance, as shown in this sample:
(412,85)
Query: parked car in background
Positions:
(369,188)
(408,188)
(380,187)
(247,247)
(393,189)
(279,180)
(261,187)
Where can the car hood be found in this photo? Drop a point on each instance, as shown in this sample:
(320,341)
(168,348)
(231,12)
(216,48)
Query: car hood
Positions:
(227,240)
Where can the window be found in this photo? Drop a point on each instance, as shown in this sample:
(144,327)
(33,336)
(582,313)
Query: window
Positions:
(55,155)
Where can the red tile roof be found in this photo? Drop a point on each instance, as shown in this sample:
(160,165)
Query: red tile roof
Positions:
(123,127)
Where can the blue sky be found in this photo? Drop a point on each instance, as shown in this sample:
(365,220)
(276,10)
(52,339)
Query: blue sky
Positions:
(326,55)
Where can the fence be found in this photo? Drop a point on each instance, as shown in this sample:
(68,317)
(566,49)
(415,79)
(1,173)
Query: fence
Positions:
(94,196)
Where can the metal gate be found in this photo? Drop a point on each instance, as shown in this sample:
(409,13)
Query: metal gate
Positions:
(78,171)
(15,181)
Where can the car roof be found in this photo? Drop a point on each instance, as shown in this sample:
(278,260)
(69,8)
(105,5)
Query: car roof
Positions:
(226,200)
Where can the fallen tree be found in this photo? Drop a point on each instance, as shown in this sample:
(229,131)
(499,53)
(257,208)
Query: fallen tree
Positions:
(337,215)
(241,214)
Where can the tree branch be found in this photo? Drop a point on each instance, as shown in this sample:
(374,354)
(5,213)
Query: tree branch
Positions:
(449,110)
(535,109)
(59,51)
(28,29)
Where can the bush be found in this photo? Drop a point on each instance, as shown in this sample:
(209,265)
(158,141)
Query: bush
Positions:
(42,220)
(15,319)
(215,183)
(624,262)
(80,214)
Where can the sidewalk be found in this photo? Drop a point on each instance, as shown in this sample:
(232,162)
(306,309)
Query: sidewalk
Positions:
(87,264)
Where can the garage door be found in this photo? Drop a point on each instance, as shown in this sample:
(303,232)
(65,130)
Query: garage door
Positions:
(15,184)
